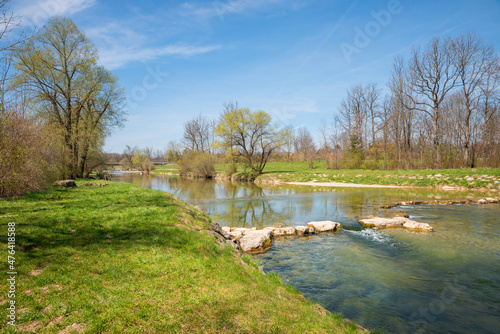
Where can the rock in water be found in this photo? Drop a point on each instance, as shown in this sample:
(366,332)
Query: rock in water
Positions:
(413,225)
(284,231)
(303,230)
(324,226)
(236,235)
(382,222)
(65,183)
(243,230)
(377,223)
(256,241)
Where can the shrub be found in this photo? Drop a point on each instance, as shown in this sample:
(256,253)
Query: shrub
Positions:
(197,164)
(231,169)
(28,155)
(142,162)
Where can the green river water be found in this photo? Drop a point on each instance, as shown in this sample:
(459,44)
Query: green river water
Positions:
(393,280)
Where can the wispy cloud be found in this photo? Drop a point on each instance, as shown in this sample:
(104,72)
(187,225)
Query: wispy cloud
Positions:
(221,8)
(118,57)
(119,45)
(38,11)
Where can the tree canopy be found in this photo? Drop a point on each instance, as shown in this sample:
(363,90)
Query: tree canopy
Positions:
(251,135)
(58,71)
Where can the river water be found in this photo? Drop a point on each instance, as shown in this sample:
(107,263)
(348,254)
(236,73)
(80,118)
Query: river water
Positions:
(393,280)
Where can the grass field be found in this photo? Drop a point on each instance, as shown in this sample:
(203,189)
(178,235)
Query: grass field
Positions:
(166,169)
(125,259)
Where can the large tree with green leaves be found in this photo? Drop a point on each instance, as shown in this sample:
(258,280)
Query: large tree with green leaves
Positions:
(58,70)
(251,135)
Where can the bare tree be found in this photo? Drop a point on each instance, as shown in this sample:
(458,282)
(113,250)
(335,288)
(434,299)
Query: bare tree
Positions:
(402,109)
(198,134)
(353,114)
(474,62)
(490,112)
(325,139)
(335,139)
(304,144)
(432,76)
(10,38)
(385,116)
(371,97)
(443,110)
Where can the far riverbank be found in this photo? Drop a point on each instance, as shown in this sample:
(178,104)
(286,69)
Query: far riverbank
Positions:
(293,172)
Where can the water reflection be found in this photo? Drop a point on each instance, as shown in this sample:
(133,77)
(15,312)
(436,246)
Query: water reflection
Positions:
(249,205)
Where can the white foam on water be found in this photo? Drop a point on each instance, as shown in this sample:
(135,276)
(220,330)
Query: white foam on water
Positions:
(374,235)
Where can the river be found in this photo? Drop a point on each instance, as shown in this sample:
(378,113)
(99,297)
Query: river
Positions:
(393,280)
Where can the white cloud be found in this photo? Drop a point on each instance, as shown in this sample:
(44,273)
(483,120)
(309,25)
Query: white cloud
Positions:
(118,57)
(38,11)
(221,8)
(119,44)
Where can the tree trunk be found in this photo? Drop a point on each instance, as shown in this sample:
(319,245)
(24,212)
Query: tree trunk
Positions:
(467,138)
(435,140)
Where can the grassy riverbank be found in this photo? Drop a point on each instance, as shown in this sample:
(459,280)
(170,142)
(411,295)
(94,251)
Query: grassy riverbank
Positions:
(467,178)
(299,172)
(122,258)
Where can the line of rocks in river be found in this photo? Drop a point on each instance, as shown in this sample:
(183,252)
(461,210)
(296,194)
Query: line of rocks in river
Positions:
(486,200)
(252,240)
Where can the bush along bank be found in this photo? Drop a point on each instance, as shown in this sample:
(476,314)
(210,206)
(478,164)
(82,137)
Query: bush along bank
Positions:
(122,258)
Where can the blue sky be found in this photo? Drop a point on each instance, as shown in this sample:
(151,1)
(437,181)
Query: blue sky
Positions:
(292,58)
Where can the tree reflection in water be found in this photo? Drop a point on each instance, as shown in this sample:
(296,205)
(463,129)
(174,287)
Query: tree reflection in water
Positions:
(251,205)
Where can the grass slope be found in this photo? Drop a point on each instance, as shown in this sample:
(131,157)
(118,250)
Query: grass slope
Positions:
(122,258)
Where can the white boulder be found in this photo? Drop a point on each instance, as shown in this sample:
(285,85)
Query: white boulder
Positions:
(377,223)
(243,230)
(284,231)
(236,235)
(413,225)
(256,241)
(382,222)
(324,226)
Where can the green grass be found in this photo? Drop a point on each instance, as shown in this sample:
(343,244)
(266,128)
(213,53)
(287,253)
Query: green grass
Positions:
(299,172)
(122,258)
(166,169)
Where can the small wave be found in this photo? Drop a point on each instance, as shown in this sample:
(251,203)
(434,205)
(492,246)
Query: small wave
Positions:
(374,235)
